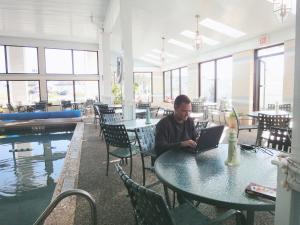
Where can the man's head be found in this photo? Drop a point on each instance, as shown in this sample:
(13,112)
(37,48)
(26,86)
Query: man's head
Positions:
(182,107)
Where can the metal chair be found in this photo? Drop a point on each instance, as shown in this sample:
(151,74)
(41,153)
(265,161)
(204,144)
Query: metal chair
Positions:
(66,104)
(143,105)
(280,139)
(112,117)
(116,136)
(271,107)
(265,122)
(10,108)
(40,106)
(149,208)
(285,107)
(146,141)
(168,112)
(96,114)
(241,126)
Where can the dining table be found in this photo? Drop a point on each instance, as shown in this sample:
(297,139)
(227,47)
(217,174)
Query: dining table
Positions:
(132,125)
(254,114)
(205,177)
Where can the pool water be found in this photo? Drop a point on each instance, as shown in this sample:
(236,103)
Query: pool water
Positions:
(29,168)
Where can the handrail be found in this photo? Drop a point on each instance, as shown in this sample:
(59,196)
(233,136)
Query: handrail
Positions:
(63,195)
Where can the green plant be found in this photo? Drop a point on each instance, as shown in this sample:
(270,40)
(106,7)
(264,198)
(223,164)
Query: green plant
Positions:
(117,92)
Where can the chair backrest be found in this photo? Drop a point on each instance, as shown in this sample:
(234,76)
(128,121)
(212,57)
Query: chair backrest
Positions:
(146,138)
(265,122)
(285,107)
(116,135)
(102,106)
(280,139)
(41,106)
(112,117)
(105,111)
(271,107)
(197,106)
(143,105)
(148,206)
(199,126)
(66,104)
(168,112)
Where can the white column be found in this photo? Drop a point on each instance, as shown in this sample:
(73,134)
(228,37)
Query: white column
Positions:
(127,77)
(105,68)
(287,203)
(42,71)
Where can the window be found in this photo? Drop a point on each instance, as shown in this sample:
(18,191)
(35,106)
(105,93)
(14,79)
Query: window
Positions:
(269,76)
(143,91)
(67,61)
(21,59)
(85,62)
(3,93)
(60,90)
(175,83)
(24,92)
(86,90)
(2,60)
(224,78)
(207,72)
(167,86)
(184,79)
(58,61)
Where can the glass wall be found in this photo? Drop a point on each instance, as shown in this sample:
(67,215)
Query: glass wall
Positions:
(216,79)
(60,90)
(207,74)
(24,92)
(143,92)
(224,78)
(167,86)
(85,62)
(175,83)
(269,88)
(184,79)
(3,93)
(86,90)
(68,61)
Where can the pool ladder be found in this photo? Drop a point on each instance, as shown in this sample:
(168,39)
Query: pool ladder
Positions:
(63,195)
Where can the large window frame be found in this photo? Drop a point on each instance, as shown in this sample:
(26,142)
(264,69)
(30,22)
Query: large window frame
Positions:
(18,46)
(8,89)
(74,88)
(151,91)
(72,60)
(256,83)
(171,82)
(215,75)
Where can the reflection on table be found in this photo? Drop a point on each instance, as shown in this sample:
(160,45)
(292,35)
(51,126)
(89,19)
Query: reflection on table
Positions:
(206,178)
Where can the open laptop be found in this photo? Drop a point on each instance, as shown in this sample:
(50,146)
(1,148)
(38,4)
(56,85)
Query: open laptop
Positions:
(209,138)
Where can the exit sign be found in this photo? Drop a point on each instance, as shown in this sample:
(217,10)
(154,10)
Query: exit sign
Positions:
(264,39)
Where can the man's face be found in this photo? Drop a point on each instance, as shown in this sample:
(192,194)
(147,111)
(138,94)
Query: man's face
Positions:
(182,111)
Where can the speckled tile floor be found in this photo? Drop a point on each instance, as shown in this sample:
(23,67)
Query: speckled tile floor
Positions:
(113,206)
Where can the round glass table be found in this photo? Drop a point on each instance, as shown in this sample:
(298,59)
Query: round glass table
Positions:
(205,177)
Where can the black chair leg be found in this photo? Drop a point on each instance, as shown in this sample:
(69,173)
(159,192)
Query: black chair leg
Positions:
(130,165)
(143,167)
(107,160)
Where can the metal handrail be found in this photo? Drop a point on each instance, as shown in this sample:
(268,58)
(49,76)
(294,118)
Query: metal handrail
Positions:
(63,195)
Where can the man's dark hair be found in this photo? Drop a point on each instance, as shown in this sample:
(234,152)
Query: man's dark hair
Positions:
(180,99)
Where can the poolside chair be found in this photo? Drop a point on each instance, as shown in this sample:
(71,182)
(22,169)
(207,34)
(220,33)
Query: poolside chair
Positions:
(112,117)
(280,139)
(116,136)
(66,104)
(265,122)
(96,114)
(240,119)
(146,141)
(149,208)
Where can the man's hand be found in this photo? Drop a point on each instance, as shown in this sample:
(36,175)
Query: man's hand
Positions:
(188,143)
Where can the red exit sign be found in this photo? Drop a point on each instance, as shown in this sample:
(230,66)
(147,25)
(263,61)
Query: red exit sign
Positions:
(264,39)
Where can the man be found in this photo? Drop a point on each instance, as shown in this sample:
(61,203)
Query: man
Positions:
(177,130)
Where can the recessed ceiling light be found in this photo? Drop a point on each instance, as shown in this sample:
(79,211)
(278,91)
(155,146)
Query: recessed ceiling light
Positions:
(166,53)
(151,61)
(222,28)
(153,56)
(206,40)
(180,44)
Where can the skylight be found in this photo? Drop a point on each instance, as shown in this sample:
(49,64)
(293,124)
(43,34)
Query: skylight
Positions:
(180,44)
(206,40)
(222,28)
(151,61)
(166,53)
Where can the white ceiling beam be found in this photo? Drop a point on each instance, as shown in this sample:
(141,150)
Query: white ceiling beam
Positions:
(112,14)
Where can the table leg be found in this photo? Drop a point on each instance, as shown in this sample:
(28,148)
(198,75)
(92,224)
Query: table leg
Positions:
(167,196)
(250,217)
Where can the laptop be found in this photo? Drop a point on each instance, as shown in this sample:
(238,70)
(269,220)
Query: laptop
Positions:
(209,138)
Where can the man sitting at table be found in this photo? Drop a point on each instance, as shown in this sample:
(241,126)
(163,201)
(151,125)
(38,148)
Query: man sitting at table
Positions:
(177,130)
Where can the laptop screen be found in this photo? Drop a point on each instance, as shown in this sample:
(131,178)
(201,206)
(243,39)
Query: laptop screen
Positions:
(209,138)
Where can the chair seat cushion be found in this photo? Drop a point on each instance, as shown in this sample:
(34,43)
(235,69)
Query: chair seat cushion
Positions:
(124,152)
(187,214)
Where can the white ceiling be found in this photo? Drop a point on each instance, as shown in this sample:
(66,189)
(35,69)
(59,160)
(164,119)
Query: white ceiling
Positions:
(70,20)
